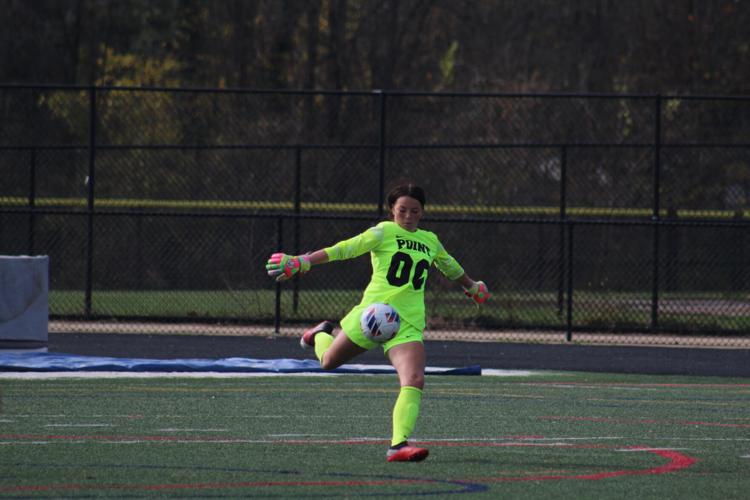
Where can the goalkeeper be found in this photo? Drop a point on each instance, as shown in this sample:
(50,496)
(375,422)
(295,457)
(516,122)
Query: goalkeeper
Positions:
(401,256)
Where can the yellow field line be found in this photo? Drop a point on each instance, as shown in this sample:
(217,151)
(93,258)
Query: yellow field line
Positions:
(358,207)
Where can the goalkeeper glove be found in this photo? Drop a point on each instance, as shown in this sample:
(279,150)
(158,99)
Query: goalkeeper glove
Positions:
(282,266)
(478,292)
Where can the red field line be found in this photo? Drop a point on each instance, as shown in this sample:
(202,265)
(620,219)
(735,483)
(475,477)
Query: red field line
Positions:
(676,462)
(645,421)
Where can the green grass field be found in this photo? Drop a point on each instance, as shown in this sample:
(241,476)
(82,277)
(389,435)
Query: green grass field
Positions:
(548,435)
(713,311)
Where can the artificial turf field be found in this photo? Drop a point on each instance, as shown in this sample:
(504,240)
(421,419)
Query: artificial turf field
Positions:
(545,435)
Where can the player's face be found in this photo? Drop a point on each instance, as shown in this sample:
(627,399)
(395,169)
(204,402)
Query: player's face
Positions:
(406,212)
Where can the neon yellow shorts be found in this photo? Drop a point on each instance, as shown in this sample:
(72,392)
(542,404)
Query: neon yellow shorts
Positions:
(352,329)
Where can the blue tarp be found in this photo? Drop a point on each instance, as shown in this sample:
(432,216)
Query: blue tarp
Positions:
(56,362)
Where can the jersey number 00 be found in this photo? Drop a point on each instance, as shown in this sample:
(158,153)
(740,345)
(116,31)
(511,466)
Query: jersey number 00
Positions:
(399,271)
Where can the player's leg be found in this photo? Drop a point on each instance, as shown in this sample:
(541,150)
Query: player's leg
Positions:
(332,351)
(341,350)
(409,361)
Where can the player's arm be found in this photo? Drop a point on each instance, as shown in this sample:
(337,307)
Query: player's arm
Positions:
(475,290)
(355,246)
(282,266)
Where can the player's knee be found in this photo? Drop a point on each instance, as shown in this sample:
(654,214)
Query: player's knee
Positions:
(329,364)
(413,380)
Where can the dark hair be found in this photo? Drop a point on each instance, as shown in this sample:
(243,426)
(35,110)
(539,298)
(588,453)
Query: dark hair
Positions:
(410,190)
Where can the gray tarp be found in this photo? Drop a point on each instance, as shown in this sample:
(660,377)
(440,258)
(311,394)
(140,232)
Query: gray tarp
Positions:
(24,289)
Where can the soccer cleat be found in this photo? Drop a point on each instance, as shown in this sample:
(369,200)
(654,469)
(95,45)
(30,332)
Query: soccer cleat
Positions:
(406,453)
(308,338)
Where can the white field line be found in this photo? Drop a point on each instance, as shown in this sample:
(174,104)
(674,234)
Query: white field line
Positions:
(559,441)
(626,450)
(314,439)
(136,441)
(141,375)
(137,375)
(192,430)
(491,372)
(587,387)
(79,425)
(729,440)
(520,439)
(301,435)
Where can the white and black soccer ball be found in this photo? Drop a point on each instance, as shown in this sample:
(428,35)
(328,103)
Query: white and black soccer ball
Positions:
(380,322)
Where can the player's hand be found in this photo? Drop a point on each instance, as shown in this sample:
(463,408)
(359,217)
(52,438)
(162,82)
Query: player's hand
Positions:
(478,292)
(282,266)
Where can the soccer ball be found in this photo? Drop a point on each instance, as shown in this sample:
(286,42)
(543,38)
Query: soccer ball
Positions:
(380,322)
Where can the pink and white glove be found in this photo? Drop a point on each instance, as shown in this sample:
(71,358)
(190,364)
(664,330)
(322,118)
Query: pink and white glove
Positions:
(478,292)
(282,266)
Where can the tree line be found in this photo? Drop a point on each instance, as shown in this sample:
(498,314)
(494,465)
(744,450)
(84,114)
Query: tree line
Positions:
(639,46)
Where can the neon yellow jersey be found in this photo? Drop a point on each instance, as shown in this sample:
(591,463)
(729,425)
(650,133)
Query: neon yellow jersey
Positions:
(400,262)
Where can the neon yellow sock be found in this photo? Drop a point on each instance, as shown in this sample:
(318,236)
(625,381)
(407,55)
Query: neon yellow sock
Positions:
(322,342)
(405,413)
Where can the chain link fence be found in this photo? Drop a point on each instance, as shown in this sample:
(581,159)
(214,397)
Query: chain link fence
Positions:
(619,218)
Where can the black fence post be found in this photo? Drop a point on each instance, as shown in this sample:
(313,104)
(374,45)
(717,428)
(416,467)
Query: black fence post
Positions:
(738,280)
(382,149)
(297,211)
(32,199)
(655,215)
(32,172)
(563,216)
(90,182)
(279,243)
(569,319)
